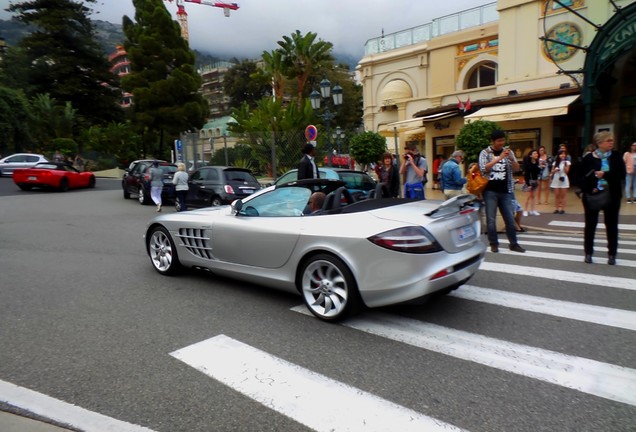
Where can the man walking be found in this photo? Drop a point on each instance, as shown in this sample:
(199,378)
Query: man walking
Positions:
(498,163)
(414,168)
(452,181)
(307,167)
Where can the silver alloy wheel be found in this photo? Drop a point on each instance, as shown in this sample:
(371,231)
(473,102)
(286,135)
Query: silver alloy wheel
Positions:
(325,289)
(215,202)
(160,250)
(142,195)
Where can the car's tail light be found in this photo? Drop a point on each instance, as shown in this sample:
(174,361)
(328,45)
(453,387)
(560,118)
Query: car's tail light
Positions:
(407,239)
(228,189)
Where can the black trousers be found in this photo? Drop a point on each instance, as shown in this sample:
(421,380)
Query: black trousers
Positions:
(610,216)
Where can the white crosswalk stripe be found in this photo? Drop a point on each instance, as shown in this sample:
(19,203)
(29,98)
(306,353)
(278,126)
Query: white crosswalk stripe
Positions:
(571,224)
(289,389)
(294,391)
(576,311)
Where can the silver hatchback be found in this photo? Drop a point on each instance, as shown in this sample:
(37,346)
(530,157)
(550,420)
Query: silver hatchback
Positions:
(19,160)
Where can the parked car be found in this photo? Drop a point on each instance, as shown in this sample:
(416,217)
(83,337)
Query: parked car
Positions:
(359,183)
(218,185)
(136,180)
(19,160)
(372,253)
(53,175)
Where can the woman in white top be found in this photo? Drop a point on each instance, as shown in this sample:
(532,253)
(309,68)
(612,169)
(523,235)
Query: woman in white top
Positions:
(180,181)
(560,182)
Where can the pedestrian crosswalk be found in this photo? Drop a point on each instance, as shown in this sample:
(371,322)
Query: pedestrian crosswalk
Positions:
(293,390)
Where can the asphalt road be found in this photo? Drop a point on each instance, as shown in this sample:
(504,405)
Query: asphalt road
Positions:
(86,320)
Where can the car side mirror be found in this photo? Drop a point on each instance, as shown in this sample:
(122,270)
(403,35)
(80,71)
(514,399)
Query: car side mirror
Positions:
(237,205)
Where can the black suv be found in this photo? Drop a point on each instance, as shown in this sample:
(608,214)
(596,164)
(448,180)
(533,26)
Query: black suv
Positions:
(136,180)
(217,185)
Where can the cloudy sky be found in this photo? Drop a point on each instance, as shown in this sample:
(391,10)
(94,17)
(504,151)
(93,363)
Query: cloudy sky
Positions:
(259,24)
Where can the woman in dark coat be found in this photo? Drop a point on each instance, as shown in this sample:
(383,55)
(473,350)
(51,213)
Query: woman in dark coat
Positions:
(602,169)
(388,174)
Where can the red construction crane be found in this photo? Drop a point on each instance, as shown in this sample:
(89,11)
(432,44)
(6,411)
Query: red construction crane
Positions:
(182,15)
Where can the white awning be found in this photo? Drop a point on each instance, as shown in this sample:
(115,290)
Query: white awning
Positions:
(388,130)
(524,110)
(439,116)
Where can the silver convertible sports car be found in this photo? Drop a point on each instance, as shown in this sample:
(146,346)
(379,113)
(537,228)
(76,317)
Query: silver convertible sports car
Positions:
(341,258)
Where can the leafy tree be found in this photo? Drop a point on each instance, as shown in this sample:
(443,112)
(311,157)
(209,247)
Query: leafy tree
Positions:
(274,66)
(273,122)
(14,122)
(246,82)
(367,147)
(302,56)
(473,137)
(52,120)
(163,79)
(62,58)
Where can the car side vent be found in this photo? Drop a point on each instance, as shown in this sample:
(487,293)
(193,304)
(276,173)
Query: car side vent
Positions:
(196,241)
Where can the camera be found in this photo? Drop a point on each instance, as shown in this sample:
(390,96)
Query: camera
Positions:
(406,156)
(562,178)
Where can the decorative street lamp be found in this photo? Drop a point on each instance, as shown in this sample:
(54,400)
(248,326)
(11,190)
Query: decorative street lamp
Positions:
(327,115)
(338,136)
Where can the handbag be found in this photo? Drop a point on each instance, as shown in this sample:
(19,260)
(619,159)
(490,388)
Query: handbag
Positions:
(598,200)
(476,183)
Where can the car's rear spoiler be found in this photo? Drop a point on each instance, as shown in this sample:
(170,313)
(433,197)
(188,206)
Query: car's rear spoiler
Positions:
(454,205)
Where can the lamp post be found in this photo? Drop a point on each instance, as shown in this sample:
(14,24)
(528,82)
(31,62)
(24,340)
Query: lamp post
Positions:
(338,136)
(327,115)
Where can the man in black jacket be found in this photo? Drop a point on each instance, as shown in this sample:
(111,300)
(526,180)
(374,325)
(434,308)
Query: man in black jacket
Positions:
(307,168)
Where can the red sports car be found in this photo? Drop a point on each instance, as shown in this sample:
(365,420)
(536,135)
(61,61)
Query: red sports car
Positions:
(52,175)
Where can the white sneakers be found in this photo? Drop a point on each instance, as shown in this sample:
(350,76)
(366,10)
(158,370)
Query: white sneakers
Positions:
(532,213)
(525,213)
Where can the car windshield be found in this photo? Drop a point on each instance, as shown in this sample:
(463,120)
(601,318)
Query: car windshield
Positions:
(281,202)
(357,181)
(168,169)
(45,166)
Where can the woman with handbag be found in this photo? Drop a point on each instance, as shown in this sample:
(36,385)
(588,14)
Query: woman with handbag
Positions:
(603,174)
(531,172)
(560,180)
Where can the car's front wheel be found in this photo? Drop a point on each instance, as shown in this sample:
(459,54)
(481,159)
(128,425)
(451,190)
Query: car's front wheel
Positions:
(162,251)
(328,288)
(63,185)
(91,182)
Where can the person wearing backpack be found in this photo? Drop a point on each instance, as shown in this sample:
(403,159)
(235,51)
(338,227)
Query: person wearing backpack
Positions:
(498,163)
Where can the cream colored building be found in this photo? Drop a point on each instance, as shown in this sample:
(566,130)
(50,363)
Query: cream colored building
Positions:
(542,92)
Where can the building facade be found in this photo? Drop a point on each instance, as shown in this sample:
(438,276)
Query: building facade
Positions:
(549,72)
(120,66)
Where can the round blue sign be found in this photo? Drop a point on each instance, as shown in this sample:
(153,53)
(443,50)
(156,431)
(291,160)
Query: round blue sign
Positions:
(311,133)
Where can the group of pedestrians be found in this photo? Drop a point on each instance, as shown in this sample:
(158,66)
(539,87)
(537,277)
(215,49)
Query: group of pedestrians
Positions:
(179,180)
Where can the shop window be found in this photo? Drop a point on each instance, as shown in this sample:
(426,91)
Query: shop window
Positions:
(482,75)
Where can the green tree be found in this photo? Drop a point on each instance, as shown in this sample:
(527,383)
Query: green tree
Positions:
(246,82)
(302,56)
(367,147)
(63,58)
(15,116)
(51,120)
(274,67)
(473,137)
(272,122)
(163,79)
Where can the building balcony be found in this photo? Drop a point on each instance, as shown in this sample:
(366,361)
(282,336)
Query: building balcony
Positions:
(440,26)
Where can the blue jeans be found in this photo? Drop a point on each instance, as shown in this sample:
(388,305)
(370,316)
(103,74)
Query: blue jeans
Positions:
(630,186)
(503,202)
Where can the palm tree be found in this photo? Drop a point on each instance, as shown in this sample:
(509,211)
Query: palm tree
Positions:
(274,66)
(302,55)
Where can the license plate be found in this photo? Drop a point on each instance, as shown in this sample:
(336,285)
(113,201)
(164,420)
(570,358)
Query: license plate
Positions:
(248,191)
(32,178)
(465,232)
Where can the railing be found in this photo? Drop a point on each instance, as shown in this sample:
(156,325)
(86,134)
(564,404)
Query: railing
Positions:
(440,26)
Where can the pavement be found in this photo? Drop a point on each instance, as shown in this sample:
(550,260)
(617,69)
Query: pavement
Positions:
(14,420)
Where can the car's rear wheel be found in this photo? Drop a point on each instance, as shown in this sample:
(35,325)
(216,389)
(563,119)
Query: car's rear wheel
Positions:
(144,197)
(216,201)
(63,185)
(91,182)
(328,288)
(162,251)
(126,193)
(177,205)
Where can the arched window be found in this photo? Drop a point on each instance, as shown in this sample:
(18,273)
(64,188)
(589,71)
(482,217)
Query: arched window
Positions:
(482,75)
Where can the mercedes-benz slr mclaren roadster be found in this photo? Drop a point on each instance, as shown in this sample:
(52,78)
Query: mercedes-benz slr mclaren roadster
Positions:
(346,256)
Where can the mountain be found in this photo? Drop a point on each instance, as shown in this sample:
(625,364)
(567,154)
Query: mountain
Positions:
(110,35)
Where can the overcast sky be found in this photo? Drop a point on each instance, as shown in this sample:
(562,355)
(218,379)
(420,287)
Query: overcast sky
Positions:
(259,24)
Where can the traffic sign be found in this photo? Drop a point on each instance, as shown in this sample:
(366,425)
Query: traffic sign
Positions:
(311,133)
